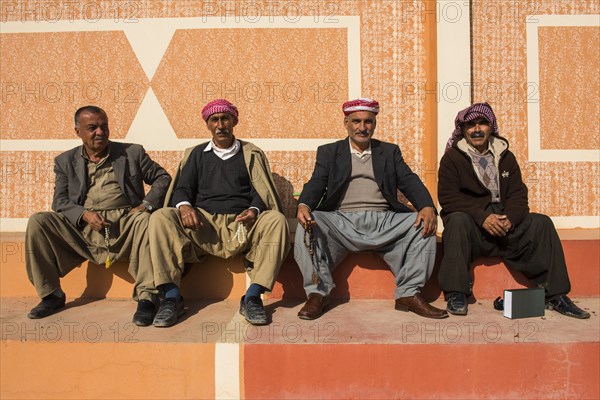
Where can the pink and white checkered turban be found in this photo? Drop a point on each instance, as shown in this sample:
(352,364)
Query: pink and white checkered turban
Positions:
(219,106)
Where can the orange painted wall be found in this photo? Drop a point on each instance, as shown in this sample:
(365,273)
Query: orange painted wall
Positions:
(288,81)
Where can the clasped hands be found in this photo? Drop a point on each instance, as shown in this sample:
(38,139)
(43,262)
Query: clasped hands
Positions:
(497,225)
(97,221)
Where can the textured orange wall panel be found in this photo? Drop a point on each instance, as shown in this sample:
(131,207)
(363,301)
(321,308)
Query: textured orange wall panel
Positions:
(285,82)
(566,91)
(569,87)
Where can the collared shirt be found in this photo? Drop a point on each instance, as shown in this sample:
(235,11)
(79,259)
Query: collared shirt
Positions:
(104,192)
(224,154)
(366,152)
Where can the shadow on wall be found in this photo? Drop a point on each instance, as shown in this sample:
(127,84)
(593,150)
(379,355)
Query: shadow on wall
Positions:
(286,193)
(211,279)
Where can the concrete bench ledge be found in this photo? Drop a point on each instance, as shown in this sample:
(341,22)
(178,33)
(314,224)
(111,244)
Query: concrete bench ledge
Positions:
(360,276)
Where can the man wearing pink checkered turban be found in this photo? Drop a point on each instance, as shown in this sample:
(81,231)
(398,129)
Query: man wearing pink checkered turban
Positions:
(223,203)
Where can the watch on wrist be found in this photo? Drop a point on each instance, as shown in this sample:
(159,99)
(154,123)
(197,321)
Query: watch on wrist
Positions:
(149,207)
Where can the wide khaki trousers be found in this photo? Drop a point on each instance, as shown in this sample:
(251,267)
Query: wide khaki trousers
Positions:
(265,245)
(54,247)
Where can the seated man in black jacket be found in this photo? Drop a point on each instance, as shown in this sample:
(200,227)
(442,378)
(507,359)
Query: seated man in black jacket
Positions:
(350,204)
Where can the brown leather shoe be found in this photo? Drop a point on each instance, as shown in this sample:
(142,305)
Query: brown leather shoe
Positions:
(314,307)
(419,306)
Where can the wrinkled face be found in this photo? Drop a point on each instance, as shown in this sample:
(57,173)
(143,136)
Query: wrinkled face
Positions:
(477,133)
(93,130)
(221,126)
(361,127)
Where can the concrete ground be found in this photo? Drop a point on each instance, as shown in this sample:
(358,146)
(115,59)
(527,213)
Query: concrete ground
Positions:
(351,322)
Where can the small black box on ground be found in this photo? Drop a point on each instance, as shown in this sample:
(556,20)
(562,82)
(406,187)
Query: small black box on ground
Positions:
(524,303)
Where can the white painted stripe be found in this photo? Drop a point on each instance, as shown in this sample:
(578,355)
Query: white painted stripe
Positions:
(586,222)
(536,153)
(149,47)
(13,224)
(151,127)
(354,60)
(154,144)
(227,371)
(454,68)
(567,227)
(573,222)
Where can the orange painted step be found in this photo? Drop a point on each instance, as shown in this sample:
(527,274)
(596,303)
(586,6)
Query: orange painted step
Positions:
(366,276)
(360,276)
(213,279)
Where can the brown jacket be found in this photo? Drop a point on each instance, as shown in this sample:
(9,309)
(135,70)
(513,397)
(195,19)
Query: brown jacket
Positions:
(460,189)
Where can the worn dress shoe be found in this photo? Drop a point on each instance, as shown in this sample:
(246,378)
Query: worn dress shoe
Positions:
(565,306)
(168,312)
(144,315)
(419,306)
(457,303)
(254,312)
(48,306)
(314,307)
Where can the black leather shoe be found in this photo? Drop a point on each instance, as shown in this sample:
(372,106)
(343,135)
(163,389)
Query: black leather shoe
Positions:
(457,303)
(168,312)
(565,306)
(48,306)
(144,315)
(253,310)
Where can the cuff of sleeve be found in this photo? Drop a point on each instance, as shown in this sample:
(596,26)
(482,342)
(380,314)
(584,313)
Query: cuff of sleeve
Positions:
(257,210)
(80,221)
(305,205)
(183,203)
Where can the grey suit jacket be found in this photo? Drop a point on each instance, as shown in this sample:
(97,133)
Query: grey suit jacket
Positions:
(132,166)
(331,177)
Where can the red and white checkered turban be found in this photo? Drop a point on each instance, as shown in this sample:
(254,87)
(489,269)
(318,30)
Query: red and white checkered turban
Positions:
(361,104)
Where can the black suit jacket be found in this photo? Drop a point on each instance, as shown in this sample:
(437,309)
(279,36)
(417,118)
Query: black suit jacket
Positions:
(132,166)
(331,177)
